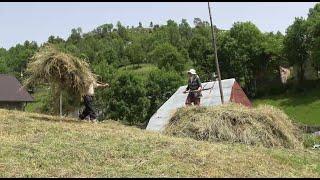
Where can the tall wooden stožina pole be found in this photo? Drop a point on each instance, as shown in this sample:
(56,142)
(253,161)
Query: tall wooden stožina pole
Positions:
(216,55)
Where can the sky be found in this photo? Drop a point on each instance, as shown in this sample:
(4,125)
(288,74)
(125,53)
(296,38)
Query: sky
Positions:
(36,21)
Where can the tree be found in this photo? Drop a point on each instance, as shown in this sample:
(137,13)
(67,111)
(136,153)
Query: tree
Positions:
(104,29)
(160,87)
(197,22)
(122,31)
(242,54)
(3,65)
(17,57)
(185,33)
(156,26)
(127,100)
(135,53)
(272,56)
(167,56)
(173,33)
(296,46)
(313,28)
(200,52)
(76,35)
(55,40)
(273,44)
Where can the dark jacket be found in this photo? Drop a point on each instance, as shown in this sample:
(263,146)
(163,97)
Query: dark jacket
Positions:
(194,85)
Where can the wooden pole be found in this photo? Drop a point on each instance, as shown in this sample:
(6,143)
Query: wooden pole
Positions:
(214,44)
(60,103)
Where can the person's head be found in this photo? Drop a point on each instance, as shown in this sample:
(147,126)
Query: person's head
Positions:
(191,73)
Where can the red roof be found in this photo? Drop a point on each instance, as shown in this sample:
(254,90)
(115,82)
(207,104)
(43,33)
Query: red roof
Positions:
(12,90)
(238,95)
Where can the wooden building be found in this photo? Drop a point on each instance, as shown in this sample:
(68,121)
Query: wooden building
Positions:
(12,94)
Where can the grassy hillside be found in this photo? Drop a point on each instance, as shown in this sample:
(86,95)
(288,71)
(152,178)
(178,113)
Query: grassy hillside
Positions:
(33,145)
(301,107)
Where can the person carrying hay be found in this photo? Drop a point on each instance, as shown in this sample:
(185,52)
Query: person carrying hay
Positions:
(194,88)
(88,101)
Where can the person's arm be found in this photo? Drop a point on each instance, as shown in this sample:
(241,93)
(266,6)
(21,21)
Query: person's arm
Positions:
(187,89)
(98,84)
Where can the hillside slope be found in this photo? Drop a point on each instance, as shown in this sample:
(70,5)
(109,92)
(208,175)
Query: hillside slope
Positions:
(301,107)
(34,145)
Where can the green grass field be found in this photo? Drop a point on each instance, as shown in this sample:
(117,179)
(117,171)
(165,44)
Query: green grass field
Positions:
(34,145)
(302,107)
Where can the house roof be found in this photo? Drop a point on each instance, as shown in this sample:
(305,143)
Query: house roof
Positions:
(158,121)
(12,90)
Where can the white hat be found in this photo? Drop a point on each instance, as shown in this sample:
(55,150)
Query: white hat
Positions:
(192,71)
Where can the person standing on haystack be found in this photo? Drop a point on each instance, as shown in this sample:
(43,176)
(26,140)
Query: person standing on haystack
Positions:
(88,100)
(194,88)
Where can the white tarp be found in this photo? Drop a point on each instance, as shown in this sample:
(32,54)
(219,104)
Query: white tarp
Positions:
(158,121)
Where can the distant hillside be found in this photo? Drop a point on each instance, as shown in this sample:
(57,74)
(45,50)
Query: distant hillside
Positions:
(35,145)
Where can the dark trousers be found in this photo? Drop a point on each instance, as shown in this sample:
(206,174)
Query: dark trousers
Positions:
(89,110)
(192,99)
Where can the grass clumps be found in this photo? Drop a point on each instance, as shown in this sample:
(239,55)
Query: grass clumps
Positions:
(264,125)
(309,140)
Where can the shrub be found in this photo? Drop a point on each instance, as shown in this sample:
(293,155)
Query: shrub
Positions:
(160,87)
(126,99)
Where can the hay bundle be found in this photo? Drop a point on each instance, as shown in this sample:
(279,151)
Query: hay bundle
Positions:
(264,125)
(63,71)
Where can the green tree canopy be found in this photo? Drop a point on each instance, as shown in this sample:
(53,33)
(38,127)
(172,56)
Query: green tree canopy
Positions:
(127,99)
(313,23)
(296,46)
(166,56)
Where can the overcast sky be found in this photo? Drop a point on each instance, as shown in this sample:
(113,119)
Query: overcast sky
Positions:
(36,21)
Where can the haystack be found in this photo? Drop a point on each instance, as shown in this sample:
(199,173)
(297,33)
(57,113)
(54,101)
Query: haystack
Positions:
(264,125)
(64,71)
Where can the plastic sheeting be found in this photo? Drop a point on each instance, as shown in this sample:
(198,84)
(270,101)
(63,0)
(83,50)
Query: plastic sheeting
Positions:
(209,98)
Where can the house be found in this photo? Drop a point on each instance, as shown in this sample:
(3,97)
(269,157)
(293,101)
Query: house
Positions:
(12,94)
(232,92)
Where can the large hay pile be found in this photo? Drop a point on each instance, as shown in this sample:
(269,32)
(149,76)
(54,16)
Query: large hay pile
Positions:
(63,71)
(264,125)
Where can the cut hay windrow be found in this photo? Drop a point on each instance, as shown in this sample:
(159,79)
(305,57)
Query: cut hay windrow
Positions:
(264,125)
(64,71)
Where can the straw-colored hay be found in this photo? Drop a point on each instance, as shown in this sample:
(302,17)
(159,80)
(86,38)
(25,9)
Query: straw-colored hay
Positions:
(62,70)
(264,125)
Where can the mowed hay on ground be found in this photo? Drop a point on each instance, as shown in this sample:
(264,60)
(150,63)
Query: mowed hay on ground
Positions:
(264,125)
(36,145)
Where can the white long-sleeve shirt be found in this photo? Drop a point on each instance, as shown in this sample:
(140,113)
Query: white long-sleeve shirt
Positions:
(90,91)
